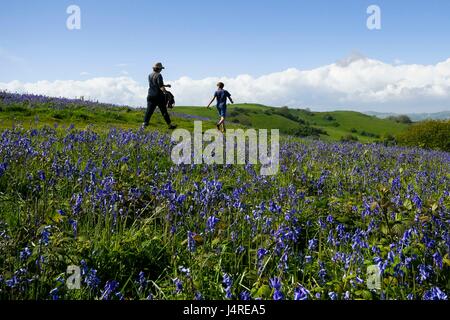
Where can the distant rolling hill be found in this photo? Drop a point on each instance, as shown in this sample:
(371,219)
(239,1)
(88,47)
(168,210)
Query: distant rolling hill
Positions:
(334,125)
(443,115)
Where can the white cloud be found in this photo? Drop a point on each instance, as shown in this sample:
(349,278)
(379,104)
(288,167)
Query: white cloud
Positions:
(120,90)
(356,83)
(84,73)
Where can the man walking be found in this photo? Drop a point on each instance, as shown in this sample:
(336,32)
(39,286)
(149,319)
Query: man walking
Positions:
(156,97)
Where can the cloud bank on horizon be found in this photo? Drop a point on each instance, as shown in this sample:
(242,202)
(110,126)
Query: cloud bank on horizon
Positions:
(355,83)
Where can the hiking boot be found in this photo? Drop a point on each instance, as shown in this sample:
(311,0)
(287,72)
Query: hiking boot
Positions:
(172,126)
(144,125)
(218,126)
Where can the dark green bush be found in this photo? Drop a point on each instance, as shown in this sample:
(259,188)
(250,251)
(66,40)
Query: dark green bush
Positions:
(431,134)
(305,131)
(349,138)
(400,119)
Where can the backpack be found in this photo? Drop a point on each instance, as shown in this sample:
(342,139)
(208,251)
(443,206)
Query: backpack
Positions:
(169,99)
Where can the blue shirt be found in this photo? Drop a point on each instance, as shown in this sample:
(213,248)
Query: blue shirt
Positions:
(221,96)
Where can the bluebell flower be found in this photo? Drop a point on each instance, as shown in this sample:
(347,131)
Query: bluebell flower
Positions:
(417,201)
(261,253)
(45,235)
(396,184)
(322,274)
(60,279)
(240,249)
(3,167)
(333,295)
(13,282)
(278,295)
(142,281)
(185,271)
(211,223)
(191,241)
(275,283)
(74,225)
(312,244)
(91,279)
(41,175)
(391,256)
(25,253)
(110,288)
(300,293)
(119,295)
(425,271)
(54,294)
(84,268)
(359,280)
(438,260)
(178,285)
(407,236)
(435,294)
(330,219)
(228,282)
(245,295)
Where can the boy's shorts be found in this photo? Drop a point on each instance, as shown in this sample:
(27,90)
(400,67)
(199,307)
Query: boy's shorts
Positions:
(222,109)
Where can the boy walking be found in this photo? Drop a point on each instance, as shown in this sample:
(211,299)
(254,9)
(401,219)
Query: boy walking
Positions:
(221,95)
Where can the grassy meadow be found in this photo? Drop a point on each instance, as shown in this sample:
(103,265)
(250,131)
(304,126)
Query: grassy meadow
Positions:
(104,195)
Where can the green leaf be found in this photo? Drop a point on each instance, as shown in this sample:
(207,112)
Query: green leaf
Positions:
(263,292)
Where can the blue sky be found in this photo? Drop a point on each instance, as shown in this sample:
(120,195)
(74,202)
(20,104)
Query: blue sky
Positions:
(201,39)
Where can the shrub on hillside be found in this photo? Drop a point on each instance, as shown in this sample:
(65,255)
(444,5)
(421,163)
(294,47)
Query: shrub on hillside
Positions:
(431,134)
(401,119)
(305,131)
(243,119)
(389,140)
(284,112)
(370,134)
(329,117)
(349,138)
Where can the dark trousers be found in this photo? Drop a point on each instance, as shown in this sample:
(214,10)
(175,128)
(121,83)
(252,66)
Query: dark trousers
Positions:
(152,103)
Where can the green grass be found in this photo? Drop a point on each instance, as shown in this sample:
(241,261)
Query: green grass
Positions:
(82,117)
(336,124)
(343,123)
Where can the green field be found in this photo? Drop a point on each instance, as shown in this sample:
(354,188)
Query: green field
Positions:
(111,201)
(334,125)
(259,116)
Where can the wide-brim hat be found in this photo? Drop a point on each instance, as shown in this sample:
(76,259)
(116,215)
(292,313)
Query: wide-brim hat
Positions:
(158,65)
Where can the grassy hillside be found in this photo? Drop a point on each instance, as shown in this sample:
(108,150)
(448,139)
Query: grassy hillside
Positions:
(336,124)
(83,115)
(30,110)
